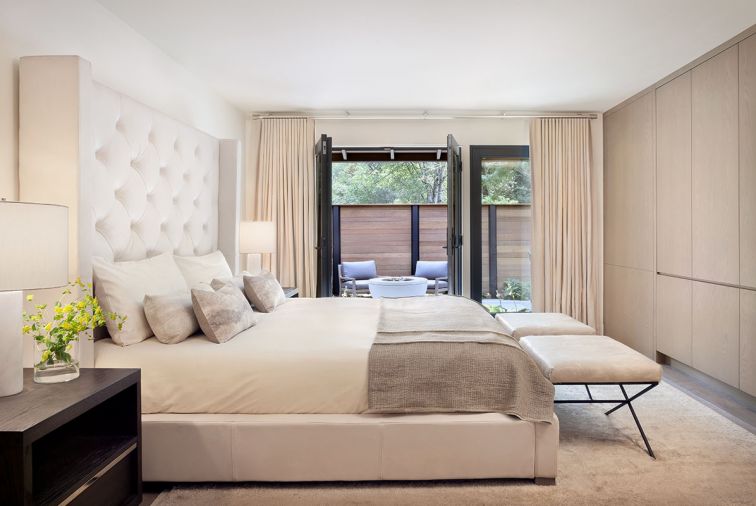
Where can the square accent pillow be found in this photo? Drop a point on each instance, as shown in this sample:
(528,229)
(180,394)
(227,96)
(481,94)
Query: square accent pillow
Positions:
(222,313)
(264,291)
(171,317)
(237,281)
(203,269)
(121,286)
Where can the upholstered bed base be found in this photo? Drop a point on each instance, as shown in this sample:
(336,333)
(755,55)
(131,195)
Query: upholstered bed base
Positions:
(225,448)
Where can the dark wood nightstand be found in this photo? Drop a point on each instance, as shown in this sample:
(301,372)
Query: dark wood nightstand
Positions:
(291,292)
(77,442)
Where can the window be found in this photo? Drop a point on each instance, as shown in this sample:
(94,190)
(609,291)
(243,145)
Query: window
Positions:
(501,194)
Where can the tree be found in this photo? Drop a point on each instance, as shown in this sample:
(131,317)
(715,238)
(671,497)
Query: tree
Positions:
(389,182)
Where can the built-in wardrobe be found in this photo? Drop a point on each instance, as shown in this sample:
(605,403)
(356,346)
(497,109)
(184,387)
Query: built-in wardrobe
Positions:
(680,216)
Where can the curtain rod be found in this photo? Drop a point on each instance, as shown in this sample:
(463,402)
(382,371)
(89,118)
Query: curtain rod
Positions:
(431,116)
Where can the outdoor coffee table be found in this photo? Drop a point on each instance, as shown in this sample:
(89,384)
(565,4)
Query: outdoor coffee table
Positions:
(395,287)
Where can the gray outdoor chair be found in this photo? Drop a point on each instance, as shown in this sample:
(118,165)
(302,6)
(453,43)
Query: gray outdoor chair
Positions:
(437,274)
(354,277)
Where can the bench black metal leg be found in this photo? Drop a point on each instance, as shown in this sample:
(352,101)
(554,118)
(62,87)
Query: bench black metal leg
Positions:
(627,401)
(589,392)
(637,422)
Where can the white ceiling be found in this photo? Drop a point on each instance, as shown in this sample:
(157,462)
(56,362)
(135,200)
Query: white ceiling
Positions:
(514,55)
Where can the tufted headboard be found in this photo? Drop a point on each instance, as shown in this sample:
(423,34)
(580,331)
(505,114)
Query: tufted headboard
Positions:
(137,182)
(154,182)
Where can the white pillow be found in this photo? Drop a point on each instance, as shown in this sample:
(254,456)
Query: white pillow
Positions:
(121,286)
(204,269)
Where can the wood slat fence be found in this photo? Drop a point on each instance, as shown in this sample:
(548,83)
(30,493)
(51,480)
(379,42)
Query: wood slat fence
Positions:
(389,233)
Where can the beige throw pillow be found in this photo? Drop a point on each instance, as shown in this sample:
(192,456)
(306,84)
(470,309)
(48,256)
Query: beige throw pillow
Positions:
(222,313)
(237,281)
(171,317)
(264,291)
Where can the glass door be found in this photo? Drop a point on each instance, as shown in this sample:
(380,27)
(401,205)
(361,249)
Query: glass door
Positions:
(323,160)
(454,214)
(500,227)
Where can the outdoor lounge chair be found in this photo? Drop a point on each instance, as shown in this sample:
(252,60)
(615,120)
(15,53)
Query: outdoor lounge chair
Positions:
(437,274)
(354,277)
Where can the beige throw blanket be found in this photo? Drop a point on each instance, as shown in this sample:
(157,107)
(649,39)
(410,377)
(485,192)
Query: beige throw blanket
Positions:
(446,354)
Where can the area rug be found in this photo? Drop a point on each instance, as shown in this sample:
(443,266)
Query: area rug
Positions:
(702,458)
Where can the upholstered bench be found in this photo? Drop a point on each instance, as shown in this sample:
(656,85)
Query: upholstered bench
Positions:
(594,360)
(520,325)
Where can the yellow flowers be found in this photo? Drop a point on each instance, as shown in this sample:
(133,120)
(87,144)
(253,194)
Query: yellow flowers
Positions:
(70,319)
(29,298)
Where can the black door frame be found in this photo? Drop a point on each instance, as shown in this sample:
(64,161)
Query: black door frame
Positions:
(477,155)
(324,245)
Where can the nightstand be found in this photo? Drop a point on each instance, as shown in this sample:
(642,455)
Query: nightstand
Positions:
(291,292)
(77,442)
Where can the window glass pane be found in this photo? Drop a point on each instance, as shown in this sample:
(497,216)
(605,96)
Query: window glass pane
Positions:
(505,181)
(506,222)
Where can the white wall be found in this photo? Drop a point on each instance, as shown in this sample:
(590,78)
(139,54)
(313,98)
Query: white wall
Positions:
(510,131)
(121,59)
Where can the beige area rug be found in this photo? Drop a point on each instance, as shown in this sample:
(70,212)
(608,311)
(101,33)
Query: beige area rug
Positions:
(702,458)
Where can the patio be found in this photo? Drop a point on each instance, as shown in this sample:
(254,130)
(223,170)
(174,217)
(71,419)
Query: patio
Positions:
(397,236)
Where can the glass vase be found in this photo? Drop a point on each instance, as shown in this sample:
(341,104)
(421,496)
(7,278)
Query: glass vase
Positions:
(49,368)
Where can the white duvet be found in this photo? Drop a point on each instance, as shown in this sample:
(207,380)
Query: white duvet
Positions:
(308,356)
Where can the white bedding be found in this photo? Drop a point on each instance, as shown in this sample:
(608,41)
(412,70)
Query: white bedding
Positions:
(308,356)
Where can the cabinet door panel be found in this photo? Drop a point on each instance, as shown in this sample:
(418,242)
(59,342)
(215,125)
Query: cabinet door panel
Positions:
(748,161)
(673,176)
(629,185)
(629,307)
(715,228)
(673,318)
(715,331)
(748,341)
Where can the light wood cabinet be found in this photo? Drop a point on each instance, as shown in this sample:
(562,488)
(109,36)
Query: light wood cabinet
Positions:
(673,317)
(715,229)
(629,185)
(629,307)
(673,176)
(715,331)
(747,97)
(748,341)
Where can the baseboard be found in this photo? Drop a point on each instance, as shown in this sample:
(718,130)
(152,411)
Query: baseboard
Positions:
(730,402)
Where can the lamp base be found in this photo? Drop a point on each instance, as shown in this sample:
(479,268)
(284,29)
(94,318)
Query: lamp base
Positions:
(254,263)
(11,343)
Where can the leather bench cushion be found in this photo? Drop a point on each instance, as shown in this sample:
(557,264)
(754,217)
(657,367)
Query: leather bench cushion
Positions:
(542,324)
(589,359)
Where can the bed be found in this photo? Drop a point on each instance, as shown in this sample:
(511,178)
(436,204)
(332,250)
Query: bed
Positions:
(293,408)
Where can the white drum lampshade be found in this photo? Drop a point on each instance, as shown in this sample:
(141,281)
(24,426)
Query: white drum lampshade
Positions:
(256,238)
(33,254)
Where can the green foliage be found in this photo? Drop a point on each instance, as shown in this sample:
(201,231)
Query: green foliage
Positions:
(514,289)
(502,182)
(70,319)
(505,182)
(389,183)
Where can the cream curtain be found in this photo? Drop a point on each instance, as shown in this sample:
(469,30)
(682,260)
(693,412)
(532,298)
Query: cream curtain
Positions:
(285,194)
(566,240)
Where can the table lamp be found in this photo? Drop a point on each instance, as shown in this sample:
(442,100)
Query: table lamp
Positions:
(33,255)
(256,238)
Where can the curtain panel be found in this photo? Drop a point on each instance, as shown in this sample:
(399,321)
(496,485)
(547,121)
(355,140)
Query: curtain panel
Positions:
(285,194)
(566,241)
